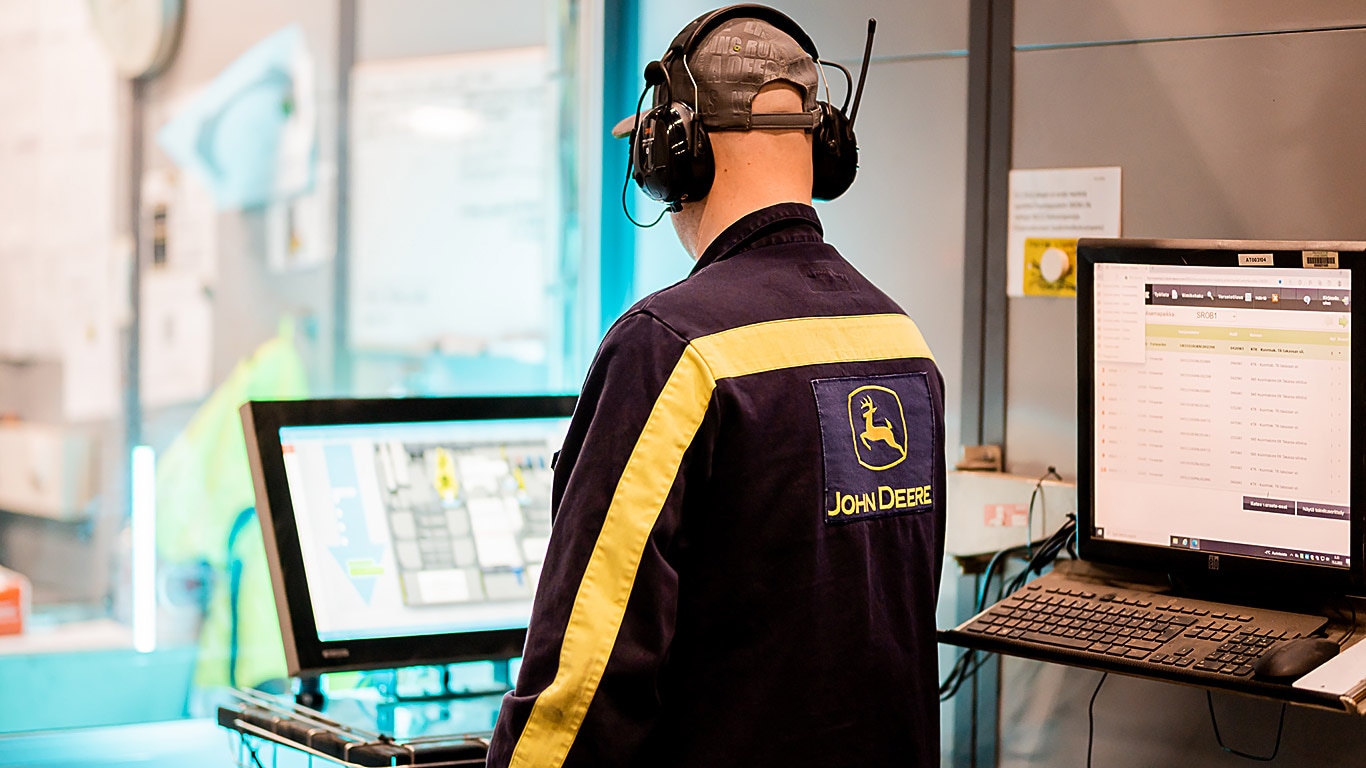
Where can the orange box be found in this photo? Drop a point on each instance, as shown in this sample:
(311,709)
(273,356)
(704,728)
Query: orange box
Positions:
(14,602)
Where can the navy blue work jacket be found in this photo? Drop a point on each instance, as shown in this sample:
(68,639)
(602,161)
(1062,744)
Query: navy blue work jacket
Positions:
(748,527)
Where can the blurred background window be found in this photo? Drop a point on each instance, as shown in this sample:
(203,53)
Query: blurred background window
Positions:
(307,199)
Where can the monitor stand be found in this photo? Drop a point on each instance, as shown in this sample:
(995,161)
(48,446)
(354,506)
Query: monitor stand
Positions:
(481,699)
(501,684)
(310,692)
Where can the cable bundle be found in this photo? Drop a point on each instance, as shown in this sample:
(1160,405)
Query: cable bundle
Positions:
(1037,555)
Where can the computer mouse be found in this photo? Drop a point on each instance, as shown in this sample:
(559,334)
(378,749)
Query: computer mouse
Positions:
(1294,659)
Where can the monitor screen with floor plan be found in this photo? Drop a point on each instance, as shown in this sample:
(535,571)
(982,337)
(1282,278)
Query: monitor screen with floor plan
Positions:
(404,525)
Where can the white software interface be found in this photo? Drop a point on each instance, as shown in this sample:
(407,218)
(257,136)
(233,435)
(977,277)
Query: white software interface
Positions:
(421,528)
(1222,409)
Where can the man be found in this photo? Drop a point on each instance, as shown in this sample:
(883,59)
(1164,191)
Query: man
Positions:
(748,506)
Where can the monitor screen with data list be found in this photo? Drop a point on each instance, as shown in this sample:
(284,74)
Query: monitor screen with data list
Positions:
(1216,389)
(404,532)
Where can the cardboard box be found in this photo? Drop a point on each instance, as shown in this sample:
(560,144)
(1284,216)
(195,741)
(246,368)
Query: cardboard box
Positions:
(14,601)
(46,470)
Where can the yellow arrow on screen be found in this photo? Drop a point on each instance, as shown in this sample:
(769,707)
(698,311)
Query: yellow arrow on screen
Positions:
(445,481)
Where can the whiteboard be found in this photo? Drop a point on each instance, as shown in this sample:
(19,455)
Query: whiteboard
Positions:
(451,204)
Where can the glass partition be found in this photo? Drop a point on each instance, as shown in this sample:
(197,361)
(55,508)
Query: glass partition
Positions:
(358,198)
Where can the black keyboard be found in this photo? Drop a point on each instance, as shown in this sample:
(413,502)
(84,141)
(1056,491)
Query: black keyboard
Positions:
(1134,627)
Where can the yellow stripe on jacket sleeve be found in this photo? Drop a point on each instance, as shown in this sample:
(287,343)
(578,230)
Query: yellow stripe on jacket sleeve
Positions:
(802,341)
(605,589)
(600,603)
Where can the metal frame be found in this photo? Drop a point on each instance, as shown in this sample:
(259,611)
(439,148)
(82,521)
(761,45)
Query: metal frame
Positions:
(990,111)
(231,717)
(991,39)
(341,265)
(132,393)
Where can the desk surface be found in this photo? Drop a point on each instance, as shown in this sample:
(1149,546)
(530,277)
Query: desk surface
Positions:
(93,635)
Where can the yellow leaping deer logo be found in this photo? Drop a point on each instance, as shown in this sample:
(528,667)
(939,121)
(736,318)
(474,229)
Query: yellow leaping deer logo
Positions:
(874,400)
(878,433)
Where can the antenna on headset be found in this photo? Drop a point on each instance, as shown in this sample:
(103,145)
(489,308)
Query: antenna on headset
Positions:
(863,73)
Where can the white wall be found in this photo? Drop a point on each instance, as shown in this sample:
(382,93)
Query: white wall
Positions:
(902,221)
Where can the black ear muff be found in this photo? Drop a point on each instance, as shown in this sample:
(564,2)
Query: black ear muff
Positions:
(671,156)
(834,154)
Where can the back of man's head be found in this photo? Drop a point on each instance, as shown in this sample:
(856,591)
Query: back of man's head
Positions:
(753,88)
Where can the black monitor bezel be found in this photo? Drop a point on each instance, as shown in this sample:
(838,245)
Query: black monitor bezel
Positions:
(305,653)
(1234,573)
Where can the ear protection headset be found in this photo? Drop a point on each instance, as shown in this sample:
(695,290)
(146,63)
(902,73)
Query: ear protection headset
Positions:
(670,152)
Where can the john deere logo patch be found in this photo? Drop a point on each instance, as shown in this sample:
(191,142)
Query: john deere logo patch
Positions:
(877,441)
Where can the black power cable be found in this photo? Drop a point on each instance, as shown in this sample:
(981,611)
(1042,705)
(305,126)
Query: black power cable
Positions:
(1037,555)
(1091,718)
(251,749)
(1037,493)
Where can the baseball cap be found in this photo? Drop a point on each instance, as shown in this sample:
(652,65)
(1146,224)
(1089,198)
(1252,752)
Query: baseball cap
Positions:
(725,71)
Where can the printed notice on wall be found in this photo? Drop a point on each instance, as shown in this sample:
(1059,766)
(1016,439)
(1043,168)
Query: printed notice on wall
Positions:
(1050,209)
(453,193)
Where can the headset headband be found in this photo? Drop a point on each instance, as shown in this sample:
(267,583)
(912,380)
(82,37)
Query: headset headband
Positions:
(699,28)
(690,36)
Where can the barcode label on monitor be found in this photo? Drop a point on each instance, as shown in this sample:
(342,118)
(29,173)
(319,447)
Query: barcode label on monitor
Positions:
(1320,259)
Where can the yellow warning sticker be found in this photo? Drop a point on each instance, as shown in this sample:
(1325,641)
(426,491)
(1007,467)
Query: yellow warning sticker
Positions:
(1050,266)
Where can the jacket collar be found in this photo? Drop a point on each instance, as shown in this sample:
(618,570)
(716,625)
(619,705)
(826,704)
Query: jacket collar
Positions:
(781,223)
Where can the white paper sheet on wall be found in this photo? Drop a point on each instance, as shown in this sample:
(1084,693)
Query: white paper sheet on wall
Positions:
(1050,209)
(180,225)
(176,338)
(18,18)
(452,166)
(189,234)
(92,368)
(20,97)
(300,233)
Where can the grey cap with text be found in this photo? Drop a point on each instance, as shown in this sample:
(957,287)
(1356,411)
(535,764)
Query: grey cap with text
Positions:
(730,66)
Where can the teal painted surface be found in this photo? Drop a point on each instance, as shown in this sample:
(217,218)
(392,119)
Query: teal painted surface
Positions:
(197,743)
(620,90)
(202,743)
(93,688)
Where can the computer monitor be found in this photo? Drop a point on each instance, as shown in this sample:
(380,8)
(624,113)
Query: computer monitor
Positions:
(1217,438)
(406,531)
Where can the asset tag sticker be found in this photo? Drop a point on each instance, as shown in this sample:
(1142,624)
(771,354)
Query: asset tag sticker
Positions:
(1320,259)
(877,445)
